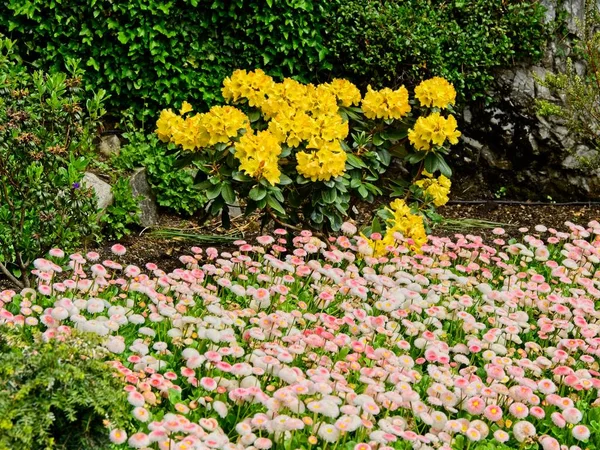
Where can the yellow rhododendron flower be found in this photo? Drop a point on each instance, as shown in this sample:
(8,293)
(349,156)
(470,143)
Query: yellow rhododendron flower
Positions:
(223,123)
(258,155)
(386,103)
(436,92)
(409,225)
(327,162)
(252,86)
(185,108)
(346,92)
(219,125)
(405,225)
(438,189)
(433,129)
(165,124)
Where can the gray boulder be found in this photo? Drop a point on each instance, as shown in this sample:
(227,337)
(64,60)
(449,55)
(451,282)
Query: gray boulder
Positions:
(109,145)
(104,196)
(141,188)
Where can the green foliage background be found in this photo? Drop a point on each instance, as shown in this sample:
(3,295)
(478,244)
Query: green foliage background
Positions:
(156,53)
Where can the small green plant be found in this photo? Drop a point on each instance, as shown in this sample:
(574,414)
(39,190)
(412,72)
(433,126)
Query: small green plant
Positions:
(123,213)
(46,130)
(173,185)
(580,94)
(501,192)
(55,392)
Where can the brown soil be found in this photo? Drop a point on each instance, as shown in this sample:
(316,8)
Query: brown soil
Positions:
(514,217)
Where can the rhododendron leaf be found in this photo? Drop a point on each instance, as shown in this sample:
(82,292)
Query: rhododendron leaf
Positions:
(277,194)
(253,116)
(355,161)
(228,193)
(241,176)
(214,192)
(274,204)
(414,158)
(384,156)
(316,217)
(431,163)
(394,135)
(284,180)
(376,226)
(257,193)
(335,221)
(443,166)
(329,195)
(216,206)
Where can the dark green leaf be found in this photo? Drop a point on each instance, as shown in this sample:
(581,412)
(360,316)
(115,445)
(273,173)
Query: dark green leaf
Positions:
(275,205)
(213,192)
(257,193)
(355,161)
(227,193)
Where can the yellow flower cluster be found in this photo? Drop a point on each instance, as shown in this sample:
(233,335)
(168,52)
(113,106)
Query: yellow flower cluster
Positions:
(436,92)
(327,162)
(433,129)
(219,125)
(437,188)
(249,85)
(258,155)
(300,114)
(407,224)
(166,123)
(386,103)
(404,222)
(346,93)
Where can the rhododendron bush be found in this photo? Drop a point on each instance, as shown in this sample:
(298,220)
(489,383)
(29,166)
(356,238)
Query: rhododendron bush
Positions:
(298,342)
(301,152)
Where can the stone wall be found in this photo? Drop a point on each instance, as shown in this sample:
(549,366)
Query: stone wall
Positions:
(505,144)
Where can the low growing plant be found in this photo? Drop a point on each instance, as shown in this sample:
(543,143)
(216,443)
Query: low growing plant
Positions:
(123,213)
(303,153)
(56,393)
(173,185)
(46,129)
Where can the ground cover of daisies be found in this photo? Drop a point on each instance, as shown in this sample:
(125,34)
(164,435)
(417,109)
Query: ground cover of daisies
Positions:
(305,343)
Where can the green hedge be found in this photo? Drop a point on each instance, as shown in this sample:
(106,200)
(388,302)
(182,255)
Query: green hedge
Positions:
(152,53)
(155,53)
(395,42)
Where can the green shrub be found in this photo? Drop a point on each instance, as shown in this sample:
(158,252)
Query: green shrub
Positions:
(45,132)
(396,42)
(157,52)
(173,185)
(56,393)
(302,153)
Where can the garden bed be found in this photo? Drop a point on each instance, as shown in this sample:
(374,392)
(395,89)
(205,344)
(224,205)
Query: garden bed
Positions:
(469,343)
